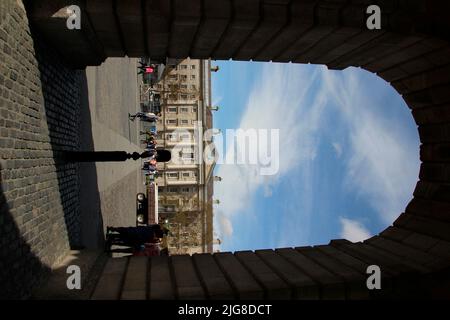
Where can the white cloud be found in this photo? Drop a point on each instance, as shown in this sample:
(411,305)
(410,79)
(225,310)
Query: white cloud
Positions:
(381,163)
(338,149)
(226,228)
(353,230)
(277,101)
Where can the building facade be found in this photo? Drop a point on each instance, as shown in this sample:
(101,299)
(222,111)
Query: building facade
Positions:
(185,184)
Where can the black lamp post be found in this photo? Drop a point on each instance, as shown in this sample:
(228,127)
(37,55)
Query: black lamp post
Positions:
(161,155)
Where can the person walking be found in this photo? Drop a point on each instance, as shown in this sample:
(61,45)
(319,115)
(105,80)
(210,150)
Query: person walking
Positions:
(143,116)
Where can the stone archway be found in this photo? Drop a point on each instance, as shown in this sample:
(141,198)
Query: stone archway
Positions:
(411,51)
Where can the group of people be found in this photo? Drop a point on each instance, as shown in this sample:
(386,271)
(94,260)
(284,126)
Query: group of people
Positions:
(140,240)
(144,116)
(149,165)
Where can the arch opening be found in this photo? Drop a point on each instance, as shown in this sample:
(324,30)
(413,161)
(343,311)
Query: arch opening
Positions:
(348,155)
(403,53)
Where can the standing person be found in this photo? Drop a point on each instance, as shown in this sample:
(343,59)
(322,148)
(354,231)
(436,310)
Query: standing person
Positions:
(151,145)
(135,237)
(142,64)
(148,250)
(144,116)
(148,137)
(150,142)
(146,70)
(149,165)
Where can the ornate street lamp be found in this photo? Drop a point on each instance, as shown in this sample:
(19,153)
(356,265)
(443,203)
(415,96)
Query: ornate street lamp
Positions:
(161,155)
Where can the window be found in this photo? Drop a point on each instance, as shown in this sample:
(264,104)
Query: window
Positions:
(171,121)
(185,190)
(193,122)
(188,155)
(172,175)
(169,208)
(183,96)
(172,109)
(183,67)
(194,109)
(183,86)
(192,76)
(195,174)
(193,96)
(184,122)
(184,109)
(173,76)
(183,77)
(193,87)
(172,189)
(174,202)
(159,86)
(171,136)
(160,189)
(185,137)
(173,96)
(186,174)
(192,66)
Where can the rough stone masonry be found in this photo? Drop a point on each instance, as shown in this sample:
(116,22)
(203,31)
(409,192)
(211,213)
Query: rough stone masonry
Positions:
(39,117)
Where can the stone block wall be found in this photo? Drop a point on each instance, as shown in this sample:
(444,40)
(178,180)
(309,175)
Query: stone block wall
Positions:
(39,117)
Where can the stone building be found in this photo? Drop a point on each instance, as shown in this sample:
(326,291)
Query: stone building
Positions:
(185,184)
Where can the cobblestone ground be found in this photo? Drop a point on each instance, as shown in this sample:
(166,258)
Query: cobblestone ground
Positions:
(48,207)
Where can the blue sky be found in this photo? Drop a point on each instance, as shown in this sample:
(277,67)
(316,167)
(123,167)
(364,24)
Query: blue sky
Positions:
(349,155)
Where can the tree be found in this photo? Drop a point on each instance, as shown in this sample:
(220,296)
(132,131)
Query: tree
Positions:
(171,86)
(188,230)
